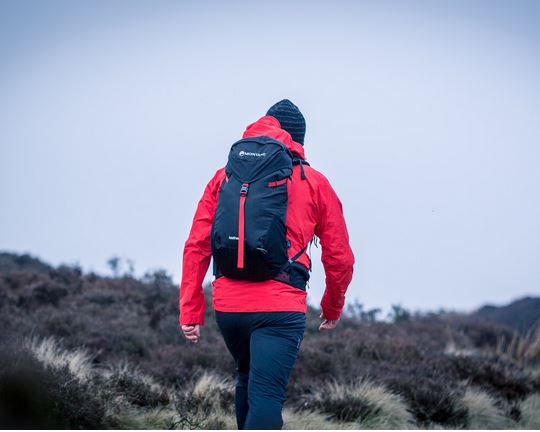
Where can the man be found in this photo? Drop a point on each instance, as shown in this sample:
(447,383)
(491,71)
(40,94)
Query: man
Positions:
(263,322)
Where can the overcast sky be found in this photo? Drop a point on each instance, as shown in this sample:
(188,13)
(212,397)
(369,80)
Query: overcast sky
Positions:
(424,115)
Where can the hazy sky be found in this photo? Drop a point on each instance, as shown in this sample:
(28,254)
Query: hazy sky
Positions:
(424,115)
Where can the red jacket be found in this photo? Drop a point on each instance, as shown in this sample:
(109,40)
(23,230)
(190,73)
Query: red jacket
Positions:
(313,209)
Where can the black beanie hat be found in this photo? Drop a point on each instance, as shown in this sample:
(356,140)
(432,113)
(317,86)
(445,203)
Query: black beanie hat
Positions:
(290,118)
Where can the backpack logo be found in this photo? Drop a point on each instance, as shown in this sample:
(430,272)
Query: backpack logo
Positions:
(243,153)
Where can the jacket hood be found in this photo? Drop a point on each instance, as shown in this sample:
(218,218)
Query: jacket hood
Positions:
(269,126)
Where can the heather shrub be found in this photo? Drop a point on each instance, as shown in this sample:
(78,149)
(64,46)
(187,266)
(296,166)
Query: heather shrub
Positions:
(35,394)
(495,375)
(430,399)
(133,387)
(83,334)
(10,263)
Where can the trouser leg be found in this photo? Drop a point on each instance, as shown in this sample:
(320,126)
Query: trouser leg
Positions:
(236,329)
(274,349)
(241,399)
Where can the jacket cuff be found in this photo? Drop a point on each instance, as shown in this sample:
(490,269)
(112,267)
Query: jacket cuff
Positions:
(191,319)
(330,314)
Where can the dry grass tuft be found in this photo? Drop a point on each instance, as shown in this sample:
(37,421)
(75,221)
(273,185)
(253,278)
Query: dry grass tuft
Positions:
(530,412)
(207,402)
(47,351)
(524,350)
(369,405)
(155,418)
(126,371)
(483,412)
(212,391)
(453,349)
(209,384)
(312,420)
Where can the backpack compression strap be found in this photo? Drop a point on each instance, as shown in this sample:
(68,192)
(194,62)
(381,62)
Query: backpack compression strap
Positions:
(295,257)
(243,195)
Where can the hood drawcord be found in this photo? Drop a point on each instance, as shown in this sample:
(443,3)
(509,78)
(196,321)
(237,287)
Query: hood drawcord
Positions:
(302,175)
(299,161)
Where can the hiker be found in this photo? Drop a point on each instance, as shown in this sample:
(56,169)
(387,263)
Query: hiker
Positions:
(255,219)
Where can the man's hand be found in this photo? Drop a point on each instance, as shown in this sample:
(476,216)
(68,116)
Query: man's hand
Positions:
(327,324)
(192,332)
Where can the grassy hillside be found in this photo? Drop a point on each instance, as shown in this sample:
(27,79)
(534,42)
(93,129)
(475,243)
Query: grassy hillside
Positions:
(522,315)
(84,351)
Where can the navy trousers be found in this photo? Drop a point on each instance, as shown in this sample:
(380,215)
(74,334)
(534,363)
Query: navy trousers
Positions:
(264,346)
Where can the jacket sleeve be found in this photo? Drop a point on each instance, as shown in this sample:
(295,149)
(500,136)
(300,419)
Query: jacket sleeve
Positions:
(337,256)
(197,255)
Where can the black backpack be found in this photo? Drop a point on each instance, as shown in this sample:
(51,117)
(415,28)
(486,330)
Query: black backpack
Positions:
(248,236)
